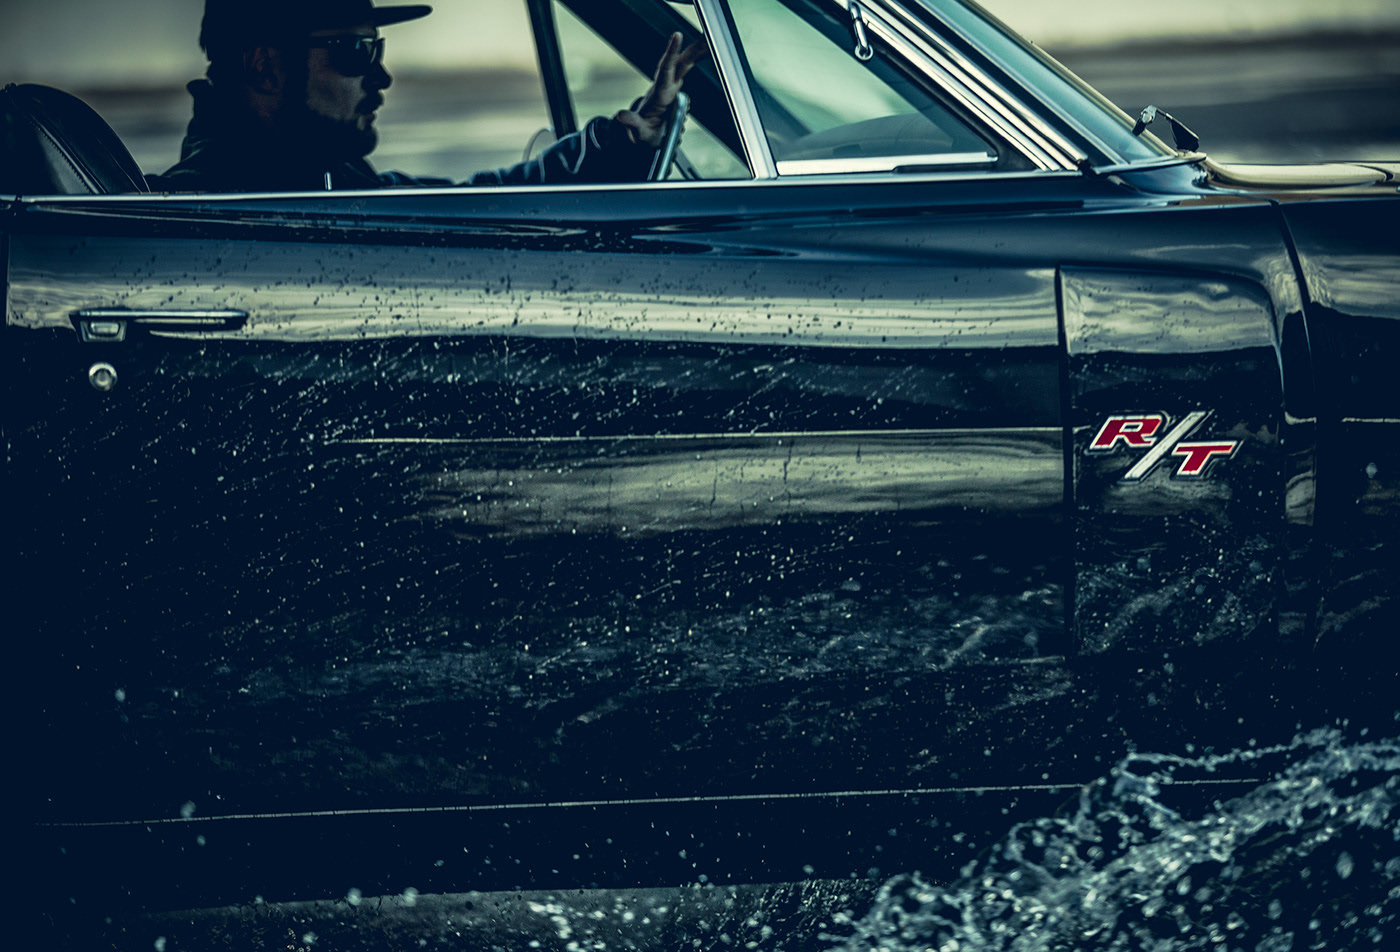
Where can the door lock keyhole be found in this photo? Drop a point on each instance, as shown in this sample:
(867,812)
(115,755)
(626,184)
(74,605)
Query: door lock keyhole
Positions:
(102,376)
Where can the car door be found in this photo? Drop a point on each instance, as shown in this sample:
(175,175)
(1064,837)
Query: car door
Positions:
(549,496)
(563,524)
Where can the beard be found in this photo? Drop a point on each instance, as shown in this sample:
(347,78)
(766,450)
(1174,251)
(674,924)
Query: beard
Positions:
(327,140)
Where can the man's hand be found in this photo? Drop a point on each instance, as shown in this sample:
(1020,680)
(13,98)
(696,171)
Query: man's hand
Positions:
(647,122)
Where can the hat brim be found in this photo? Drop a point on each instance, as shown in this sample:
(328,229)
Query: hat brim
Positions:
(383,16)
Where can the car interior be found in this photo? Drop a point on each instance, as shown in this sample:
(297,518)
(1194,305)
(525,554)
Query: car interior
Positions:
(884,120)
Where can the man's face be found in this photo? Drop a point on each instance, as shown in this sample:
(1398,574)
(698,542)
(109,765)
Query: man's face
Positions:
(343,90)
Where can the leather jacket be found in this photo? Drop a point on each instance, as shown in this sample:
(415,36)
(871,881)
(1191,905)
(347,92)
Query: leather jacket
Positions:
(224,152)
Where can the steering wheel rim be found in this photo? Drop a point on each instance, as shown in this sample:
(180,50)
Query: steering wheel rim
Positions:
(670,140)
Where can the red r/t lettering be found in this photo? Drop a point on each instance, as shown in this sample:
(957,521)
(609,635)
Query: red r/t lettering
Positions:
(1199,455)
(1133,431)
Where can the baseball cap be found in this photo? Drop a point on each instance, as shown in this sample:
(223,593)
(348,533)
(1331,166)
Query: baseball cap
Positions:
(236,22)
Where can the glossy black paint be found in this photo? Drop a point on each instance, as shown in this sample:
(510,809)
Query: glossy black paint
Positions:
(649,476)
(623,536)
(1349,253)
(677,506)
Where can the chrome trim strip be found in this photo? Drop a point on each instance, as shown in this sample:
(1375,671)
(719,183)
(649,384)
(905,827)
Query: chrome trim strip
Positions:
(738,436)
(881,163)
(715,23)
(1010,99)
(913,178)
(971,87)
(776,796)
(53,202)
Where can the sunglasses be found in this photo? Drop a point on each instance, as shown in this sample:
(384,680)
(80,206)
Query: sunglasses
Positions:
(351,55)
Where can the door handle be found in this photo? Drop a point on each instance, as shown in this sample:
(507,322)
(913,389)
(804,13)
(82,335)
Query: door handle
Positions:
(109,324)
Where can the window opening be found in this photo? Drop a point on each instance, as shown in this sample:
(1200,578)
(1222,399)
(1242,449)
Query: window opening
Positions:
(824,109)
(601,81)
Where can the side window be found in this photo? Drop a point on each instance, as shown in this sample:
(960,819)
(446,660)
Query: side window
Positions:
(601,82)
(824,110)
(448,117)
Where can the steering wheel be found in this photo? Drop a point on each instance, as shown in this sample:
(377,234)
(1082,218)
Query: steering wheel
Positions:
(670,143)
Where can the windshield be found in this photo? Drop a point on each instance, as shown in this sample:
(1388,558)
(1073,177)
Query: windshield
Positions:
(1081,106)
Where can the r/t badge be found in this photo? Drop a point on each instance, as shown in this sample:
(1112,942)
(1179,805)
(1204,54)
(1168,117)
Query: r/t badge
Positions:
(1144,433)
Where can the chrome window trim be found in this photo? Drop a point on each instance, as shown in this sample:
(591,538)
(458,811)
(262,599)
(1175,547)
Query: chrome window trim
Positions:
(881,163)
(922,50)
(970,86)
(895,180)
(714,21)
(930,7)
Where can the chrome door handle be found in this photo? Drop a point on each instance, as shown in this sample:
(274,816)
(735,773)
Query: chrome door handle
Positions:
(109,324)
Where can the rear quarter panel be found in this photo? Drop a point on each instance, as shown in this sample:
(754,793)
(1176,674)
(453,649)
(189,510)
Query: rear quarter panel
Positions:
(1349,255)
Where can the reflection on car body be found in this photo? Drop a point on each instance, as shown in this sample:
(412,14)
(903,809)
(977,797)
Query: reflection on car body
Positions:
(745,527)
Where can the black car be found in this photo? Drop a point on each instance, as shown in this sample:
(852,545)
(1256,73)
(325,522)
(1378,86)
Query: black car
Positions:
(928,437)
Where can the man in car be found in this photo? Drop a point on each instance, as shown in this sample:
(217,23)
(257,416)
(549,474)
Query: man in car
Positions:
(292,90)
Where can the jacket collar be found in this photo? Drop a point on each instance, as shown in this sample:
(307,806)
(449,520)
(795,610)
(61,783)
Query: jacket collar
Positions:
(230,152)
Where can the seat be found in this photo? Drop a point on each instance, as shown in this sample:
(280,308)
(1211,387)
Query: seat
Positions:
(53,143)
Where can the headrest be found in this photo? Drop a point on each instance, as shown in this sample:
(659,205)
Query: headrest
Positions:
(53,143)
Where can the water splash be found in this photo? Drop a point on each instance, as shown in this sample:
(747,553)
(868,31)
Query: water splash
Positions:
(1309,859)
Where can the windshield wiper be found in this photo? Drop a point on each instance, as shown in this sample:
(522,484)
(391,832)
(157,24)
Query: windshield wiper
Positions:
(1185,139)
